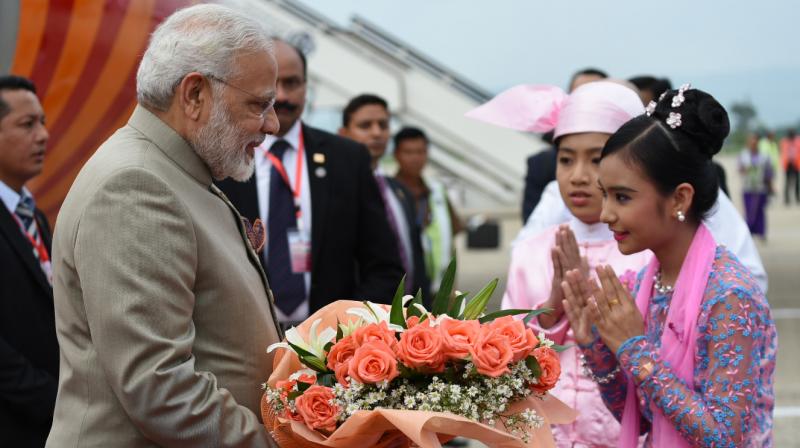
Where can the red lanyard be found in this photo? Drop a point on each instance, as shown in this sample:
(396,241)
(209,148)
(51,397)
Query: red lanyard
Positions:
(37,243)
(298,178)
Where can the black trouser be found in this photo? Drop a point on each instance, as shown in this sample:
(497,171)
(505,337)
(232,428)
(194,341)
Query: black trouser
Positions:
(791,178)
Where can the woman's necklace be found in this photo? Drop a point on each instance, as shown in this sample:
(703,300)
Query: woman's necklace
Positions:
(659,287)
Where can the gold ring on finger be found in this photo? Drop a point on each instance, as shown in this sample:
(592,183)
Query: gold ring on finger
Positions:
(614,301)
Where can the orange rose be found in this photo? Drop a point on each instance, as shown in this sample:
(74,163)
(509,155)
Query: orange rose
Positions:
(458,336)
(551,369)
(316,408)
(341,352)
(491,353)
(421,347)
(341,373)
(375,332)
(373,362)
(286,386)
(412,321)
(521,338)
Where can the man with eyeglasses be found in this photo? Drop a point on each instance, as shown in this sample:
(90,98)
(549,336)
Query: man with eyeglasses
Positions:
(163,311)
(327,234)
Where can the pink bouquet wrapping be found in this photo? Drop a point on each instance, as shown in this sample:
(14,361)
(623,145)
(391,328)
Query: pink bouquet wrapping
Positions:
(363,374)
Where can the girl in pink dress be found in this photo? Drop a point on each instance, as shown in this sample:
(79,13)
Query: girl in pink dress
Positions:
(582,122)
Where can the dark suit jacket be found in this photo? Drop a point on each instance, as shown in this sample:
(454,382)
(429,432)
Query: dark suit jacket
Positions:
(353,251)
(28,345)
(541,171)
(421,280)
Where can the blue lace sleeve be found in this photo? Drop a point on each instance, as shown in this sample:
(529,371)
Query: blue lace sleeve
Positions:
(717,409)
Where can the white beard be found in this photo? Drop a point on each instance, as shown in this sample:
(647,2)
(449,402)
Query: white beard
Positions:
(222,146)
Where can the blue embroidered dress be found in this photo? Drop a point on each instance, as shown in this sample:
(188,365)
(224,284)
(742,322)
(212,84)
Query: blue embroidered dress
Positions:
(731,399)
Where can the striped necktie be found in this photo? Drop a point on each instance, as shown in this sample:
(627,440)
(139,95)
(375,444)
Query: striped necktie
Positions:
(25,212)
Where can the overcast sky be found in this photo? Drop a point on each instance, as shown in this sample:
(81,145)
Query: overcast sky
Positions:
(736,50)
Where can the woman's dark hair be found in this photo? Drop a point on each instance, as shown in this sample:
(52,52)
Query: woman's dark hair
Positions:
(671,156)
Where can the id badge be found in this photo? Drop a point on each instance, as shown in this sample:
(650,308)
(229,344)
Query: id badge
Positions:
(299,251)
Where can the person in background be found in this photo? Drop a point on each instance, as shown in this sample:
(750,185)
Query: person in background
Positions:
(650,87)
(435,214)
(365,119)
(756,170)
(768,146)
(29,357)
(542,165)
(790,162)
(327,234)
(586,119)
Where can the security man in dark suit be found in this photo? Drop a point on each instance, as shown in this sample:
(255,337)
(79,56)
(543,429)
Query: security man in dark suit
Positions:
(28,345)
(365,119)
(327,233)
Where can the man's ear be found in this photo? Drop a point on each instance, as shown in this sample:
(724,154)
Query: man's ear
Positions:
(343,132)
(193,93)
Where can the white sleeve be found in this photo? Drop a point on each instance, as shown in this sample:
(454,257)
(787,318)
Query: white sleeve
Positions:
(730,230)
(549,212)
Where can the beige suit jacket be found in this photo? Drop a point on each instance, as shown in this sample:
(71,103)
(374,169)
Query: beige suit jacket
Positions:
(163,312)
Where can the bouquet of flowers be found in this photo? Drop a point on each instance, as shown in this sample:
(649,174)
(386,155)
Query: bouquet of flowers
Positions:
(363,374)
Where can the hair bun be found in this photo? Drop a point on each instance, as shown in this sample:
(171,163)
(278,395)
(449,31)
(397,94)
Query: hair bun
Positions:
(703,120)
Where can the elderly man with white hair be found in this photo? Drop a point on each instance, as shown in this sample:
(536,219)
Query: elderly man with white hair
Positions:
(163,311)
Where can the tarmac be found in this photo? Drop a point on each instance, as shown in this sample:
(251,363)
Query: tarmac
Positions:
(780,253)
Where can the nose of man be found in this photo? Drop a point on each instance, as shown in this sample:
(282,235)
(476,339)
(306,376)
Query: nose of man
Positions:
(270,125)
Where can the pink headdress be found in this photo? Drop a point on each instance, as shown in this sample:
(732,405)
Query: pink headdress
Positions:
(600,106)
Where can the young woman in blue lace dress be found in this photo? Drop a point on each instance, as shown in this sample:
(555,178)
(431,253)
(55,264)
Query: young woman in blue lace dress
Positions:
(689,358)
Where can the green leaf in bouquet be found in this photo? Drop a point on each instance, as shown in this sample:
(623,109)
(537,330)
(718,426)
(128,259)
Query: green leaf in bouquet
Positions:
(309,359)
(293,394)
(455,308)
(492,316)
(442,299)
(303,386)
(339,331)
(413,310)
(396,312)
(409,373)
(326,379)
(533,364)
(535,313)
(477,304)
(561,348)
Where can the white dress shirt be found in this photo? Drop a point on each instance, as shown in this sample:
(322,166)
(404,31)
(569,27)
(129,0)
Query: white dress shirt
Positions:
(10,197)
(725,224)
(263,173)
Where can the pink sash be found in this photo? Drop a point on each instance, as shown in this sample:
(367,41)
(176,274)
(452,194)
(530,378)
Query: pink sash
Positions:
(679,338)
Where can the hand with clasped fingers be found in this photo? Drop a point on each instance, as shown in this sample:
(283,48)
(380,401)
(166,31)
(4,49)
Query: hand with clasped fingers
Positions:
(566,256)
(608,306)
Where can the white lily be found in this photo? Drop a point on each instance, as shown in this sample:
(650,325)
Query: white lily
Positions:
(422,309)
(372,313)
(349,327)
(315,345)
